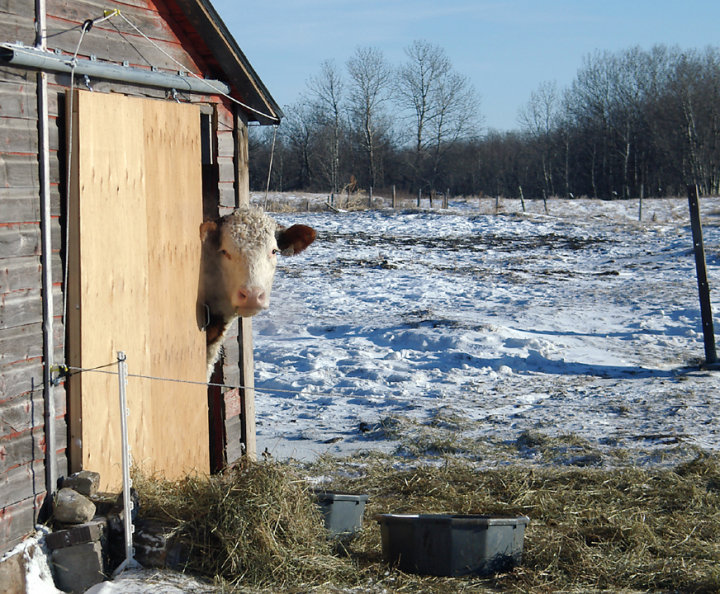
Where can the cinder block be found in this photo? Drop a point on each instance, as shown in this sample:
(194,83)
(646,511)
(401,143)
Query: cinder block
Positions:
(84,482)
(79,568)
(93,531)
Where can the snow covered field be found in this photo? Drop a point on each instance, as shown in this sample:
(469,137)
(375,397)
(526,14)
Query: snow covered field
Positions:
(496,329)
(571,338)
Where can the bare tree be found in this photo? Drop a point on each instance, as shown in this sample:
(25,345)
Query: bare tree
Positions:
(456,116)
(539,119)
(632,123)
(298,133)
(416,83)
(590,104)
(441,106)
(328,88)
(370,89)
(693,96)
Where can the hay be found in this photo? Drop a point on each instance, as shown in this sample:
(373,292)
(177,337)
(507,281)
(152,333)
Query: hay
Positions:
(258,525)
(591,530)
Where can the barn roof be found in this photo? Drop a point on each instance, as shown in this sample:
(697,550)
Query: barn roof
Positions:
(203,24)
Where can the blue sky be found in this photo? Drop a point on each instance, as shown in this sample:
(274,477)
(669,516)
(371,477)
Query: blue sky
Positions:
(506,48)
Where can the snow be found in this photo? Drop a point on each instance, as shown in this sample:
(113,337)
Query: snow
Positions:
(582,322)
(149,581)
(35,557)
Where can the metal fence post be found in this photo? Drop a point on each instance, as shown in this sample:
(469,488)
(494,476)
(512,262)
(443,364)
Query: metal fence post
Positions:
(127,481)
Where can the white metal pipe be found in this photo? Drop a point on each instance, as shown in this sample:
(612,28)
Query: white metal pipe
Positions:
(51,467)
(19,55)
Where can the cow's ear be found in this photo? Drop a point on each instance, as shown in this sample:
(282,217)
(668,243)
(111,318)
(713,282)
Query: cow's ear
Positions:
(209,232)
(295,239)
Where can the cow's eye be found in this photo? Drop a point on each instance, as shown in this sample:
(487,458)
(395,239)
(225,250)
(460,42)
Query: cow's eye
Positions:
(275,252)
(225,253)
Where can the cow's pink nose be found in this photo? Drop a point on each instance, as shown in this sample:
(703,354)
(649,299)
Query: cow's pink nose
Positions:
(253,298)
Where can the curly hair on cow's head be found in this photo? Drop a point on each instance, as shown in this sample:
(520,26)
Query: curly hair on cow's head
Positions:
(249,226)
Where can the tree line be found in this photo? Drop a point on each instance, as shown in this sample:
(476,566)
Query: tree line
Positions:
(633,123)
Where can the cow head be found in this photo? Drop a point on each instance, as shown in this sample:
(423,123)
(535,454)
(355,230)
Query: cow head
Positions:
(238,266)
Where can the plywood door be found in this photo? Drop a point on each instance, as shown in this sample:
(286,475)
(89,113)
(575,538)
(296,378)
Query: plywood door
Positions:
(136,209)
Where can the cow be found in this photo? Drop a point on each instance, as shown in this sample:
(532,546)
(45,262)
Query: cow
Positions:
(239,256)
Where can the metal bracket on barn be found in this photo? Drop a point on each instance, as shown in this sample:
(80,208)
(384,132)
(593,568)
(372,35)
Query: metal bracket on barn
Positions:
(703,286)
(129,562)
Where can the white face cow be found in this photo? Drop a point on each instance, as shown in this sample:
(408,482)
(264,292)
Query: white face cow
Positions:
(239,257)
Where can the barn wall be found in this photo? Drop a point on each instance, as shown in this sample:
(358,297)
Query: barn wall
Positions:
(22,401)
(229,405)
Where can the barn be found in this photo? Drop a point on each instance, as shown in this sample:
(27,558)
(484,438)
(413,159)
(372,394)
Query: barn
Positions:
(124,125)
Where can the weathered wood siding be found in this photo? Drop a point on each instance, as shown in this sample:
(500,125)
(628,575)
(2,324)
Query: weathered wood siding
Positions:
(22,400)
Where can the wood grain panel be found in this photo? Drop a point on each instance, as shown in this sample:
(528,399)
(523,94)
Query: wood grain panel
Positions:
(146,18)
(18,240)
(19,205)
(177,347)
(138,210)
(20,308)
(15,27)
(110,305)
(21,482)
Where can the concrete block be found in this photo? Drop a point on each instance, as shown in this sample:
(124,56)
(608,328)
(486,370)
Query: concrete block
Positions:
(84,482)
(12,575)
(159,546)
(92,531)
(80,567)
(26,569)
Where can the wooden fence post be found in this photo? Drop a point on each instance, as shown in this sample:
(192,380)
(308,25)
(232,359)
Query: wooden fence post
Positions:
(394,198)
(703,287)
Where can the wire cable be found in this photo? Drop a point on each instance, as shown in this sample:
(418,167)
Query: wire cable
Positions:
(100,369)
(210,85)
(272,154)
(87,25)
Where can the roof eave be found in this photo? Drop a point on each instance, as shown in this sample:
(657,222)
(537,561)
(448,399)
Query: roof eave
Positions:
(235,65)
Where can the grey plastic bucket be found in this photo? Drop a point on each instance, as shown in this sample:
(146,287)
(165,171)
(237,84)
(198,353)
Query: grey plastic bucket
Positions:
(343,512)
